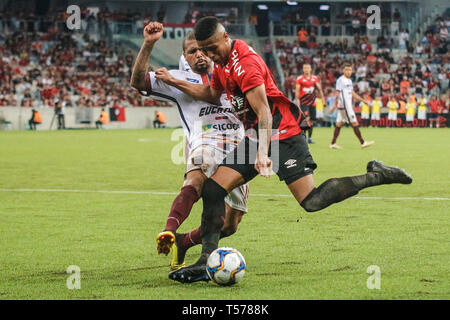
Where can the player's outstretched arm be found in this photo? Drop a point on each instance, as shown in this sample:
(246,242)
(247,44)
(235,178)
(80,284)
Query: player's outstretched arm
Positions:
(196,91)
(358,97)
(258,101)
(152,33)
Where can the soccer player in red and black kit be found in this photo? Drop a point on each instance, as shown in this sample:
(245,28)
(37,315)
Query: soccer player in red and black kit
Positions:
(305,92)
(243,75)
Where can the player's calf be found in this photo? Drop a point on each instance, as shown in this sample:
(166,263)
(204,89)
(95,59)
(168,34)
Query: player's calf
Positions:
(213,215)
(338,189)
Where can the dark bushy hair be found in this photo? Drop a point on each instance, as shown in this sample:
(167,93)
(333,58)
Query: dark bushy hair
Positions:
(205,28)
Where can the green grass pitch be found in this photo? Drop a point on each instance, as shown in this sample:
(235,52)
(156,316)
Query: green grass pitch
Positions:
(290,254)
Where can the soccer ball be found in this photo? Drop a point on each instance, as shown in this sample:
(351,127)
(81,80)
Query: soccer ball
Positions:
(226,266)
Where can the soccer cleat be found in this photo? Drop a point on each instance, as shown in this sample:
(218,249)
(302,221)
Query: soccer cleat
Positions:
(367,144)
(190,274)
(178,253)
(164,242)
(310,141)
(335,146)
(390,174)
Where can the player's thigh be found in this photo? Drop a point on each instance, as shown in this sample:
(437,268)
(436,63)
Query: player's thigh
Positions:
(204,158)
(228,178)
(302,187)
(292,160)
(341,117)
(351,116)
(238,167)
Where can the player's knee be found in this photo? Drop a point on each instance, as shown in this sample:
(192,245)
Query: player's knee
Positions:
(212,192)
(322,197)
(229,229)
(311,203)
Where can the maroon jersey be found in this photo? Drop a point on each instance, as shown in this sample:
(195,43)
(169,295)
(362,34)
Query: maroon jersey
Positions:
(244,71)
(307,93)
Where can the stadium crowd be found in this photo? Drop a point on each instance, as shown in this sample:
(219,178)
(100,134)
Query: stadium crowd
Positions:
(387,69)
(37,69)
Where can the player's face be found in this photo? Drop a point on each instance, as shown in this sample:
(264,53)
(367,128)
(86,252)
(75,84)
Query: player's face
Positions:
(196,59)
(307,69)
(348,72)
(217,47)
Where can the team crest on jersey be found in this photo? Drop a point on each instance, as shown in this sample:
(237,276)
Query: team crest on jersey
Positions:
(238,103)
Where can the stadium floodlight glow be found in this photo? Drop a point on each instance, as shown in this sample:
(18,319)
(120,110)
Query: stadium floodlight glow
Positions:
(292,3)
(324,7)
(263,7)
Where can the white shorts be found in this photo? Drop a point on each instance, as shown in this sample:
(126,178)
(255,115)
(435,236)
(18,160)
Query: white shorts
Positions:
(422,115)
(319,114)
(207,159)
(409,117)
(392,116)
(365,116)
(346,115)
(375,116)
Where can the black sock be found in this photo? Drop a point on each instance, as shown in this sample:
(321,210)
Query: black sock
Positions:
(310,130)
(338,189)
(213,216)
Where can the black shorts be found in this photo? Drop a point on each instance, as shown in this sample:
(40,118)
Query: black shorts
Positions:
(290,157)
(309,111)
(432,116)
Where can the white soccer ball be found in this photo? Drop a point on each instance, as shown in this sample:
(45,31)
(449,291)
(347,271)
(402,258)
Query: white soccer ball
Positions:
(226,266)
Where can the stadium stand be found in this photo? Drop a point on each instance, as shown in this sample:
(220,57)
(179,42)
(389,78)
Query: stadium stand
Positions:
(383,68)
(42,61)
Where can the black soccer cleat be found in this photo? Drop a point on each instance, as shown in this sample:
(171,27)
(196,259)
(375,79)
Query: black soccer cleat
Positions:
(390,174)
(190,274)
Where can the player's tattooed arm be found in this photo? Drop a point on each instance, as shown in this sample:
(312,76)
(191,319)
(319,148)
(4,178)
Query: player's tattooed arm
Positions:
(196,91)
(258,101)
(152,32)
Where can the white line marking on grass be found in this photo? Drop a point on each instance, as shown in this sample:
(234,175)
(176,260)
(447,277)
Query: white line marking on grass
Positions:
(175,193)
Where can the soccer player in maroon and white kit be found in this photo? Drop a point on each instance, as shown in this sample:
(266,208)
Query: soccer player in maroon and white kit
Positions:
(243,75)
(305,92)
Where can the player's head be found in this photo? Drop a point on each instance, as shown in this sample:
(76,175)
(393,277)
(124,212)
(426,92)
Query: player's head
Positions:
(196,59)
(347,69)
(307,69)
(213,39)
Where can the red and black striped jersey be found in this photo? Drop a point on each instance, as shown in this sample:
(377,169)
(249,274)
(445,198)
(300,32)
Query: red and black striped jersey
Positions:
(244,71)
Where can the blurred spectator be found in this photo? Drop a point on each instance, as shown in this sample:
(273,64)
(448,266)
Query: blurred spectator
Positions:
(35,119)
(103,119)
(160,119)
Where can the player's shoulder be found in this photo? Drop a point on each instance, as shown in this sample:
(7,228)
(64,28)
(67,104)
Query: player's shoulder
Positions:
(300,77)
(315,78)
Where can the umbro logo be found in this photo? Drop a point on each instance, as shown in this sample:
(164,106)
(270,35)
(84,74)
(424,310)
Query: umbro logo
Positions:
(290,163)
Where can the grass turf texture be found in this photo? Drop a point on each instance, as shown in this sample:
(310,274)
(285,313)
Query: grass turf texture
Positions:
(290,254)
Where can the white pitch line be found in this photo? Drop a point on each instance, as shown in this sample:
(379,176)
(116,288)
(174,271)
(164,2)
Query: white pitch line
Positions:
(175,193)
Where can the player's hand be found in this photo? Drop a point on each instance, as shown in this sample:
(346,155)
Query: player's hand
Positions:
(263,165)
(163,75)
(153,31)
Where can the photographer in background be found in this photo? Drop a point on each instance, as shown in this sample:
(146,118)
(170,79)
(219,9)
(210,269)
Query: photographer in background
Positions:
(59,111)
